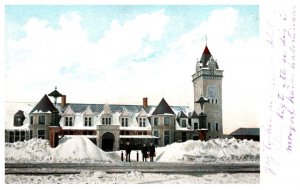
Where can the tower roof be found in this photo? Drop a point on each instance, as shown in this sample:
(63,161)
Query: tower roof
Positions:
(162,108)
(55,93)
(206,55)
(44,105)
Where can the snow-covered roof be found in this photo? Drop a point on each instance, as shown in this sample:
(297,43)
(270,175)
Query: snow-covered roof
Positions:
(135,128)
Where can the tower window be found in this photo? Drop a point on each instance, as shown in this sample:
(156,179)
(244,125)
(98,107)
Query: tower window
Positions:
(167,121)
(216,101)
(212,101)
(208,126)
(217,126)
(31,120)
(156,121)
(42,119)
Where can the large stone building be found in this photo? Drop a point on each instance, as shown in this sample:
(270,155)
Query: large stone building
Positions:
(111,126)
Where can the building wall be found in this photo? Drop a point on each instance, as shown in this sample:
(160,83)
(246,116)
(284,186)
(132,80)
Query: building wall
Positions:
(202,81)
(114,129)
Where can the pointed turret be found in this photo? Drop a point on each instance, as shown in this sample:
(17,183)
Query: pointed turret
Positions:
(163,108)
(206,55)
(44,105)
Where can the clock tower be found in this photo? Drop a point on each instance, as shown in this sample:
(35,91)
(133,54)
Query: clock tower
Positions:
(208,83)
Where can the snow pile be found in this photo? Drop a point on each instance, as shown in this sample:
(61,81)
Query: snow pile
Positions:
(36,150)
(215,150)
(78,149)
(75,149)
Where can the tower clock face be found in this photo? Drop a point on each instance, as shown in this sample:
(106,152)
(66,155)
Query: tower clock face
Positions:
(212,91)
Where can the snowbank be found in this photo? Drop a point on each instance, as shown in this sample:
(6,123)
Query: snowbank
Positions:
(71,149)
(78,149)
(215,150)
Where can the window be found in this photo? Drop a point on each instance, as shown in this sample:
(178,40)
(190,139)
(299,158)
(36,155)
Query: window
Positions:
(30,134)
(167,121)
(208,126)
(145,133)
(106,121)
(88,121)
(195,125)
(69,121)
(31,120)
(183,123)
(85,132)
(17,136)
(11,136)
(42,119)
(90,132)
(22,135)
(208,100)
(166,137)
(217,126)
(126,132)
(140,133)
(212,101)
(124,122)
(142,122)
(41,134)
(156,121)
(122,132)
(155,133)
(216,101)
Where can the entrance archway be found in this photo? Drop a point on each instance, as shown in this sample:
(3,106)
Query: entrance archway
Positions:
(108,141)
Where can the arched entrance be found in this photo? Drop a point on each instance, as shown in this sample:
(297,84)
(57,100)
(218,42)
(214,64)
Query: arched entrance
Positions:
(108,141)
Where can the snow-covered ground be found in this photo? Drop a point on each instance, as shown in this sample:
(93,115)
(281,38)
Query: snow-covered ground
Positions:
(100,177)
(76,149)
(81,149)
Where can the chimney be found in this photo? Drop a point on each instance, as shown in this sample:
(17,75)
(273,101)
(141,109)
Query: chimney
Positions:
(63,101)
(145,103)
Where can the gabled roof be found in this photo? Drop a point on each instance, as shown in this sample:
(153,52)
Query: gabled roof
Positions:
(88,111)
(142,113)
(194,115)
(69,111)
(182,115)
(44,105)
(246,131)
(205,56)
(162,108)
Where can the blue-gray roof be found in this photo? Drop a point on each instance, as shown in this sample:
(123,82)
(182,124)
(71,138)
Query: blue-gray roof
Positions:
(246,132)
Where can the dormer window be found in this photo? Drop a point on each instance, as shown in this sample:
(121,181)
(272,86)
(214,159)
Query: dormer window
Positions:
(69,121)
(183,123)
(142,122)
(87,121)
(31,120)
(106,121)
(124,122)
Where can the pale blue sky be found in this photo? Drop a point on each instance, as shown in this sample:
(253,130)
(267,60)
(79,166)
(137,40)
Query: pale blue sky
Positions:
(120,54)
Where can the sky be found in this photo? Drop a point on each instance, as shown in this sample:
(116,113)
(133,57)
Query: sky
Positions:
(120,54)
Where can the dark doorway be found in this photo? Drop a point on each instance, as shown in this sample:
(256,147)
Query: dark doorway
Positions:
(108,141)
(56,140)
(184,137)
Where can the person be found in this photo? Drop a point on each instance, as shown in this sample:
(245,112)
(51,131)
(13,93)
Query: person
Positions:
(127,150)
(144,152)
(152,151)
